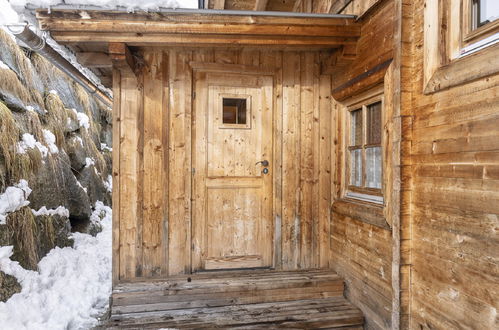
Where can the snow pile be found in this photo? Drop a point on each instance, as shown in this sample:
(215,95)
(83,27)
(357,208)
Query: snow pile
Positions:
(50,140)
(7,14)
(30,142)
(130,5)
(61,211)
(71,288)
(83,119)
(13,199)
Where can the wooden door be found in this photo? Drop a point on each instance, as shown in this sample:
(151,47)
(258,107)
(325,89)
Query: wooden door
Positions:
(232,194)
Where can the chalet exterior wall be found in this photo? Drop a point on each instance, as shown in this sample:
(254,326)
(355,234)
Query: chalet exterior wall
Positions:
(153,113)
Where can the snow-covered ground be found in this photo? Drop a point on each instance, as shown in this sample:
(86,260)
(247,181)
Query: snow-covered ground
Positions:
(71,288)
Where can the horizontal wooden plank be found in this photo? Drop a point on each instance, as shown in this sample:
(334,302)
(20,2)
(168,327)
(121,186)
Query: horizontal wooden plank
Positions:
(333,312)
(200,40)
(199,28)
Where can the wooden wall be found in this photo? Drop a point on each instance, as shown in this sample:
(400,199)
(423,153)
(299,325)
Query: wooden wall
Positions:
(153,160)
(361,236)
(455,208)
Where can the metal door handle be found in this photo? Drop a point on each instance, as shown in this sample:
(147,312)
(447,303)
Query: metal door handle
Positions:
(264,163)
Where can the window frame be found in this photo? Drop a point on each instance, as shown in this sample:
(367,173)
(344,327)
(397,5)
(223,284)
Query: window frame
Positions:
(471,36)
(246,97)
(373,195)
(447,61)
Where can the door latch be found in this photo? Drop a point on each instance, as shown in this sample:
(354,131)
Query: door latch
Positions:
(264,163)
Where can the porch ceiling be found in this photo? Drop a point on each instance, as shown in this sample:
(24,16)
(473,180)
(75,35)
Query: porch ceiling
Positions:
(88,31)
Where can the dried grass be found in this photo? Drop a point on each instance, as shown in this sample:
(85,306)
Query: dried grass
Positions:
(82,96)
(9,136)
(22,225)
(94,153)
(24,65)
(56,117)
(11,83)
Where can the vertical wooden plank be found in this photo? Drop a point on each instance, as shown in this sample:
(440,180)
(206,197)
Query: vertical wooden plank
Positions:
(290,160)
(326,127)
(129,176)
(199,162)
(180,162)
(306,158)
(274,59)
(116,174)
(316,162)
(249,57)
(165,117)
(153,206)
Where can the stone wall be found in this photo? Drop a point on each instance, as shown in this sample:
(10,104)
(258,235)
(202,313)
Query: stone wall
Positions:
(57,137)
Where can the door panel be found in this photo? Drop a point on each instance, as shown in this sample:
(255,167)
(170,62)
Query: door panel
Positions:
(232,224)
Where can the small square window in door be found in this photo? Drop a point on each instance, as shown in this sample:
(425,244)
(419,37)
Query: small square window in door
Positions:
(235,112)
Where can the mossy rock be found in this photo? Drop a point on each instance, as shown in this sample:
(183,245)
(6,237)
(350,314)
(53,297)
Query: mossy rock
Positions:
(8,286)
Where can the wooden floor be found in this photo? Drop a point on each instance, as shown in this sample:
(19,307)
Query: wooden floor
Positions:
(311,299)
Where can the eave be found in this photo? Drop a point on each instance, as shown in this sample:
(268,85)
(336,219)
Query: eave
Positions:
(200,28)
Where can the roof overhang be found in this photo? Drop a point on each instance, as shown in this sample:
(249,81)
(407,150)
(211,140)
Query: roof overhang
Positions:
(199,28)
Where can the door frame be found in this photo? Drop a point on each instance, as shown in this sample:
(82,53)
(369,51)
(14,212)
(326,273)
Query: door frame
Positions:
(275,73)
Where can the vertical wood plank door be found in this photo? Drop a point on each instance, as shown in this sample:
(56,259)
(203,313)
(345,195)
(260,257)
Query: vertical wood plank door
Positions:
(232,224)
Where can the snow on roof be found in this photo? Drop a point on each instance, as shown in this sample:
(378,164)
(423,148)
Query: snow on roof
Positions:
(131,5)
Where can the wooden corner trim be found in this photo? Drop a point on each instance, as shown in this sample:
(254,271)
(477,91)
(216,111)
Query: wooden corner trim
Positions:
(463,70)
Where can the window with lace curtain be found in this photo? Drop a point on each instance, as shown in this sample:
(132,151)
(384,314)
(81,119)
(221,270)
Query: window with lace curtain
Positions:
(364,167)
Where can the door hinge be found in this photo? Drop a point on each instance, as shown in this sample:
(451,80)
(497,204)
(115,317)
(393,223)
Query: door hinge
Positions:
(193,95)
(193,171)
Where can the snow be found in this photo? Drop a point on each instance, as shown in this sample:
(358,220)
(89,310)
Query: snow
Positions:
(30,142)
(83,119)
(130,5)
(109,183)
(3,65)
(89,162)
(30,108)
(61,211)
(7,14)
(79,139)
(70,289)
(50,140)
(13,199)
(105,147)
(53,92)
(79,185)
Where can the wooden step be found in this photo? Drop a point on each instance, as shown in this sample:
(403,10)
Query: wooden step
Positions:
(297,314)
(202,291)
(249,300)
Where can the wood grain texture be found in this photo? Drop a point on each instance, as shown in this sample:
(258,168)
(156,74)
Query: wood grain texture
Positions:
(299,127)
(454,199)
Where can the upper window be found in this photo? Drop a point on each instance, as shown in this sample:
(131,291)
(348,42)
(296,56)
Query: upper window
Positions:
(480,24)
(484,12)
(454,30)
(364,150)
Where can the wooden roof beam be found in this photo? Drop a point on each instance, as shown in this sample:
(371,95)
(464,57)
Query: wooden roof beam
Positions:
(94,59)
(122,58)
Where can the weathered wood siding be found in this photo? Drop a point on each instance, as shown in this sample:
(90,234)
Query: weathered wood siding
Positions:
(361,249)
(455,209)
(153,160)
